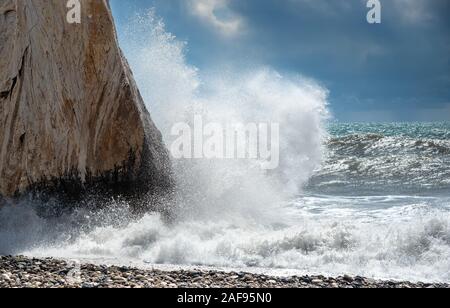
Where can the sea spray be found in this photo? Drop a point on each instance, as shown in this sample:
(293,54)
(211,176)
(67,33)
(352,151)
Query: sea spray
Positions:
(175,92)
(236,192)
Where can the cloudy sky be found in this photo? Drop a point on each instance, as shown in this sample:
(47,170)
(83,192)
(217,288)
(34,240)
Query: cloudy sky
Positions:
(398,70)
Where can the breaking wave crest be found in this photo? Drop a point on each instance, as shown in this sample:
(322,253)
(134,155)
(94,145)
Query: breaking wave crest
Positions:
(395,237)
(382,158)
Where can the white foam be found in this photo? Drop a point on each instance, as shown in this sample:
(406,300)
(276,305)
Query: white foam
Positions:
(316,235)
(175,91)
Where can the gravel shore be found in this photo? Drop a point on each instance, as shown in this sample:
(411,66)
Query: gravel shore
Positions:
(22,272)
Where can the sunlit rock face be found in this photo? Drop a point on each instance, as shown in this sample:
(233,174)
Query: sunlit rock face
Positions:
(71,116)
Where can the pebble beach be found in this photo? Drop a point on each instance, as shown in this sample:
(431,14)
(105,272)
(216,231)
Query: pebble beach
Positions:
(23,272)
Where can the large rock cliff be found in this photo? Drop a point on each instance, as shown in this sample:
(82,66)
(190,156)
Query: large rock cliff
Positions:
(71,116)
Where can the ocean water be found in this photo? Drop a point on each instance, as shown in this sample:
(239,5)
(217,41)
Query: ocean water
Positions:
(408,158)
(360,199)
(393,223)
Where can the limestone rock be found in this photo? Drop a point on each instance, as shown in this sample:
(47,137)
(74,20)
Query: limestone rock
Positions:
(70,112)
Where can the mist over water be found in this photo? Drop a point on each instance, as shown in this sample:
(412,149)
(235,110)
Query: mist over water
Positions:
(175,92)
(325,210)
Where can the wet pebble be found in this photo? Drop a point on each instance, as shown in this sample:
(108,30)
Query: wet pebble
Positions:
(22,272)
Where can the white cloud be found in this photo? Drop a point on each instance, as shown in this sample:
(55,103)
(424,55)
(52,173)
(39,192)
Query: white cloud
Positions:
(328,7)
(218,14)
(408,11)
(414,11)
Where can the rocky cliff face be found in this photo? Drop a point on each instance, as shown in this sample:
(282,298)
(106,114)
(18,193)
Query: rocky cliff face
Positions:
(70,112)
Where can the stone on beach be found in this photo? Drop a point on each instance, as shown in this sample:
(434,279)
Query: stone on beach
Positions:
(51,273)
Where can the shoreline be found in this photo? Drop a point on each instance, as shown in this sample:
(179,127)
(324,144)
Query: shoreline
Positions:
(24,272)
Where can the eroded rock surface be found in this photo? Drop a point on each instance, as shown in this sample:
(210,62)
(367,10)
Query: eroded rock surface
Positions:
(70,112)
